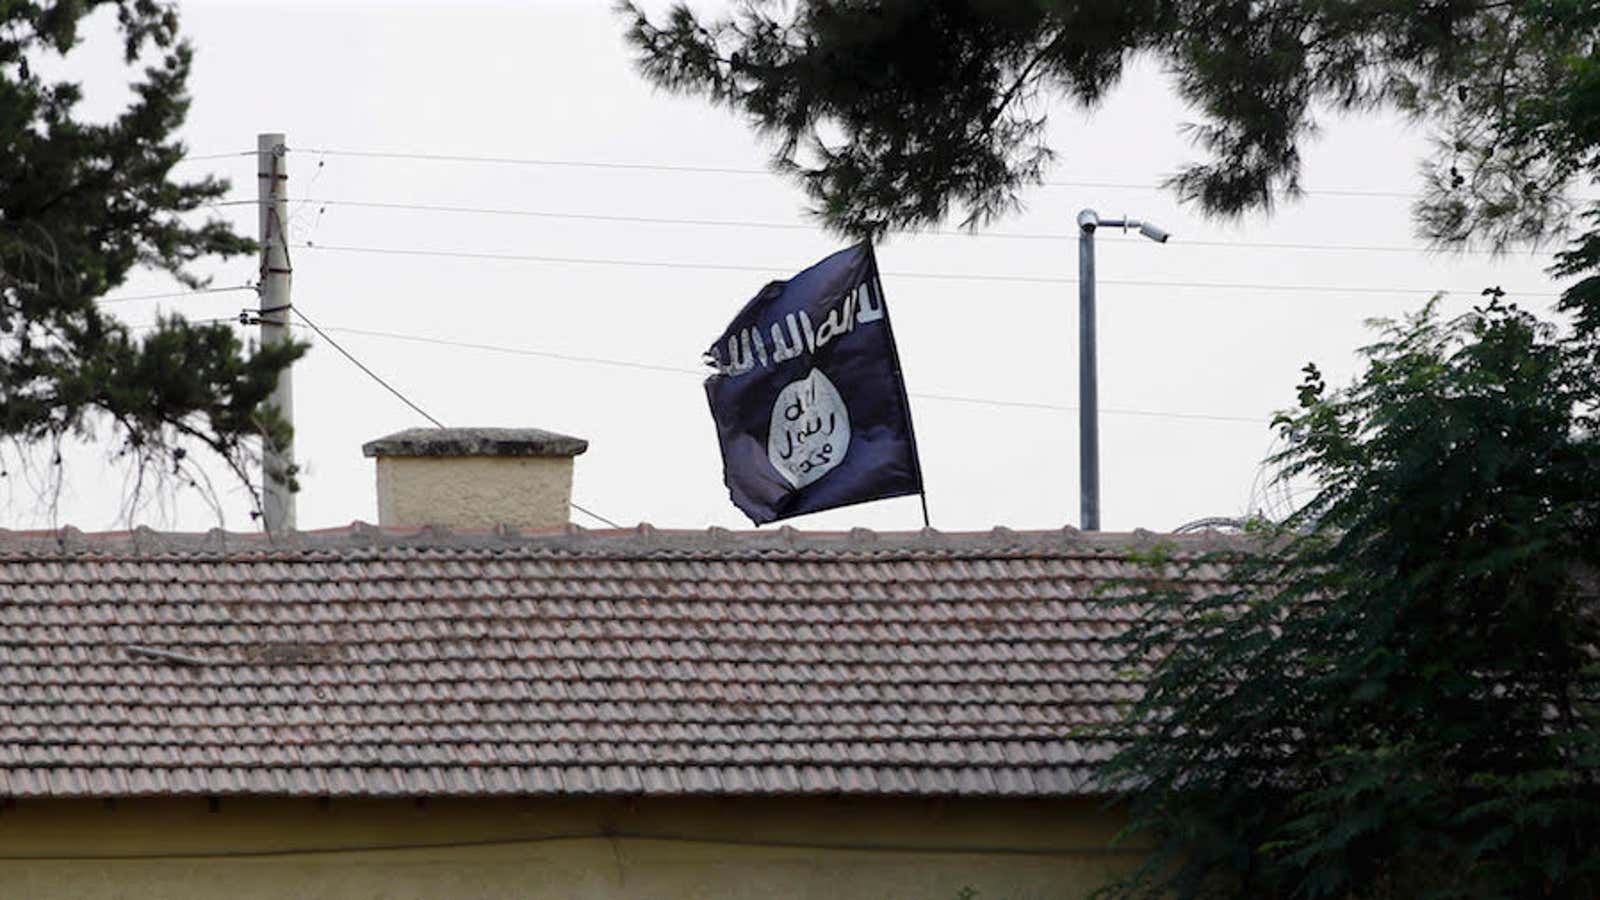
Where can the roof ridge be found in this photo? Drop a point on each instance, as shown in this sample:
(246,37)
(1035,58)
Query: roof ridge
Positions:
(643,539)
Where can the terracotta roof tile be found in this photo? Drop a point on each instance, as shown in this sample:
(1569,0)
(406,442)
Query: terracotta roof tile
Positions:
(381,663)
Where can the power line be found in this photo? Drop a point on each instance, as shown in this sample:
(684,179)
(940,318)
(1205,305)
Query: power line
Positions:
(548,163)
(941,276)
(593,515)
(1062,407)
(208,156)
(735,170)
(682,370)
(403,399)
(362,366)
(347,355)
(801,226)
(214,320)
(520,351)
(699,373)
(1181,242)
(1361,193)
(238,319)
(175,294)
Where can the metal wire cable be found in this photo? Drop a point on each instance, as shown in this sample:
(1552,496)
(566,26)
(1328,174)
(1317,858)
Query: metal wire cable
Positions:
(207,156)
(941,276)
(741,170)
(175,294)
(735,170)
(801,226)
(362,366)
(700,373)
(323,333)
(593,515)
(403,399)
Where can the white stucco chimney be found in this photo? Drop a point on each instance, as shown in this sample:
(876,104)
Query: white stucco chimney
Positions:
(475,477)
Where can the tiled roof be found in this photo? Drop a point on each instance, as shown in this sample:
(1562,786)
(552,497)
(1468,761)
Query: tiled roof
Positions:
(364,662)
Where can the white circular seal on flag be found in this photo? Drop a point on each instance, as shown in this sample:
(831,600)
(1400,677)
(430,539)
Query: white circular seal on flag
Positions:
(810,430)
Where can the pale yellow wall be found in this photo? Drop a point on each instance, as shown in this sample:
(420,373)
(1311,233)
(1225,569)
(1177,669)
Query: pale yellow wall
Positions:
(557,849)
(531,492)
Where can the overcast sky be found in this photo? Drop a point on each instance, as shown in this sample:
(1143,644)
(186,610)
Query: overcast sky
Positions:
(1192,362)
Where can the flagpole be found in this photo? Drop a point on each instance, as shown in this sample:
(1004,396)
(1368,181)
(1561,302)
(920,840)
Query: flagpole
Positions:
(900,379)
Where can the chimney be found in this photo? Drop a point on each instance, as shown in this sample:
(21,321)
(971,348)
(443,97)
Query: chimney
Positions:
(475,477)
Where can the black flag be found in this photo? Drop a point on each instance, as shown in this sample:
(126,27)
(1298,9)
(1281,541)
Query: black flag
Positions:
(809,405)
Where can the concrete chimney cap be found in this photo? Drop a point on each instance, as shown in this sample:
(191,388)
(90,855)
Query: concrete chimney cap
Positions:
(475,442)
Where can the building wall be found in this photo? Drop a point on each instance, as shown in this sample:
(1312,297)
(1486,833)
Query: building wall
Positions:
(561,849)
(530,492)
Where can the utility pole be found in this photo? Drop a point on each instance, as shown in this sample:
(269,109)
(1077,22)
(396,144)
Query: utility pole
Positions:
(272,188)
(1088,370)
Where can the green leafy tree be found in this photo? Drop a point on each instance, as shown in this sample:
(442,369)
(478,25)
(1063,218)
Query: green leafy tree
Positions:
(895,114)
(81,206)
(1393,693)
